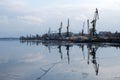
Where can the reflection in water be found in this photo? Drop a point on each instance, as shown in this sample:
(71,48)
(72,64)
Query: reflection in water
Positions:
(67,48)
(82,46)
(91,47)
(92,51)
(60,51)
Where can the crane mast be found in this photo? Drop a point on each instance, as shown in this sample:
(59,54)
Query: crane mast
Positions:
(92,31)
(83,28)
(93,22)
(60,29)
(68,28)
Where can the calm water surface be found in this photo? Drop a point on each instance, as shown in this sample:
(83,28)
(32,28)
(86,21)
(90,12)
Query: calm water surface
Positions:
(58,61)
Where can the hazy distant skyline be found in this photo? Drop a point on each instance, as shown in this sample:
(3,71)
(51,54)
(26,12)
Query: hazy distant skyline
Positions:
(22,17)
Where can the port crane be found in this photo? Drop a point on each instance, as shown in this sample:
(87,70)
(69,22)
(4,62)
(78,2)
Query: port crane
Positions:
(60,29)
(83,28)
(92,31)
(68,28)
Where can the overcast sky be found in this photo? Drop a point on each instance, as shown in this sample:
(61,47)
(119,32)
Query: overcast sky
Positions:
(22,17)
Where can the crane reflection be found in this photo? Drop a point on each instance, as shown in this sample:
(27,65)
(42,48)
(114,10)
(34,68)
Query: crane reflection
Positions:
(87,49)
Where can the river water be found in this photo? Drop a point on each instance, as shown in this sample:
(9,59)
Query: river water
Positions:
(58,61)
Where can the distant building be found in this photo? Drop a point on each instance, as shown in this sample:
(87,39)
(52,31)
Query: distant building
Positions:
(109,35)
(116,35)
(105,34)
